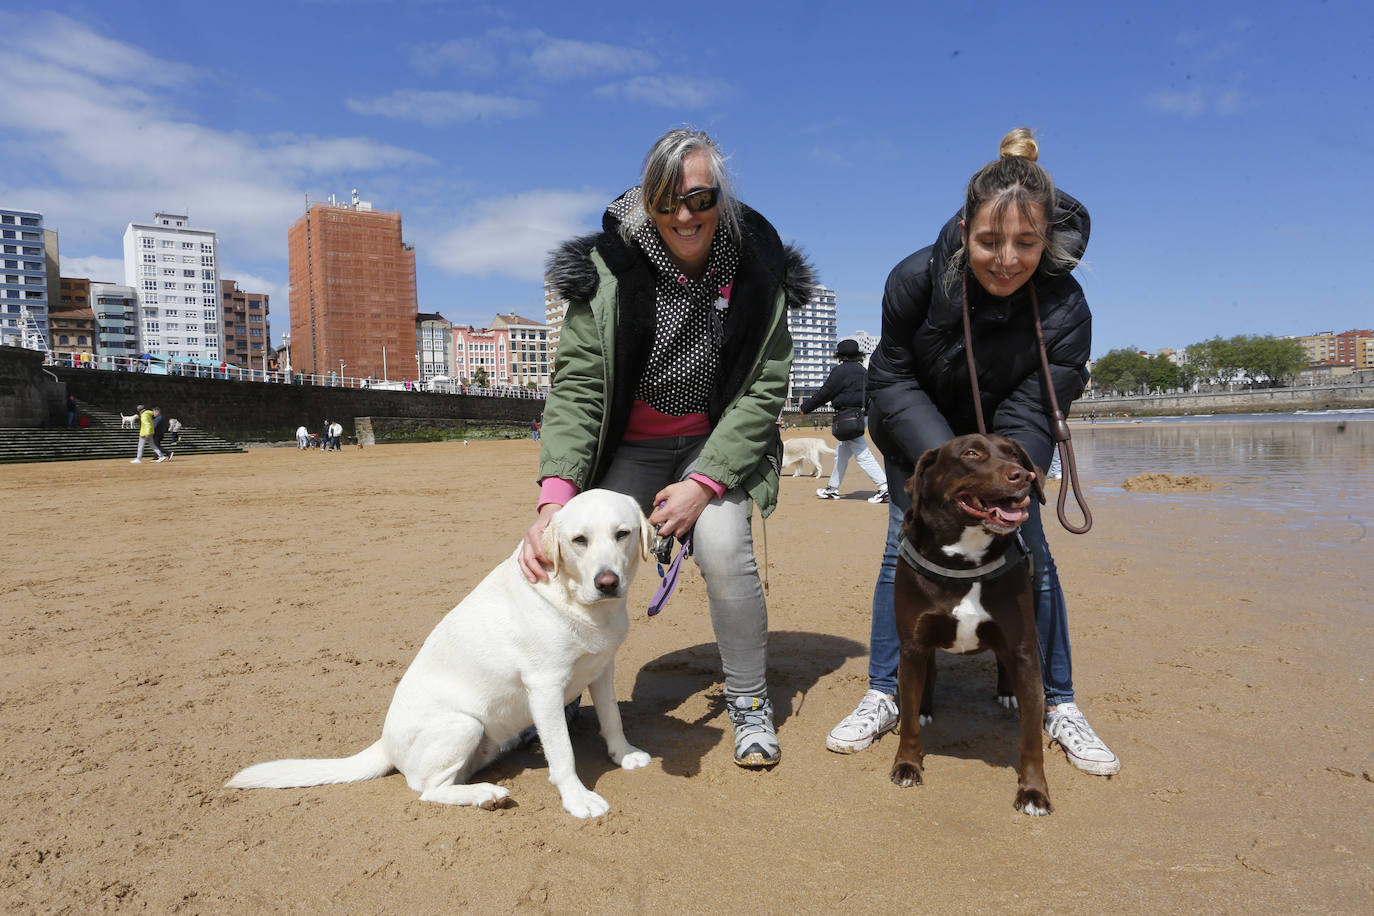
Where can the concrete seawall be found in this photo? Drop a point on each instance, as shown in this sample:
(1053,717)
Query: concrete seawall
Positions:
(1262,400)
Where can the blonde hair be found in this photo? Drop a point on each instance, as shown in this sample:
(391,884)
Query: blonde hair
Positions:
(662,172)
(1015,178)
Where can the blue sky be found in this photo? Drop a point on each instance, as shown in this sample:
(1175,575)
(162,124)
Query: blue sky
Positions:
(1224,150)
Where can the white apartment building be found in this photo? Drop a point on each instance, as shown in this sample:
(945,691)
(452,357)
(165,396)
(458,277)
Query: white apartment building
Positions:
(813,345)
(175,271)
(554,310)
(531,356)
(434,344)
(23,280)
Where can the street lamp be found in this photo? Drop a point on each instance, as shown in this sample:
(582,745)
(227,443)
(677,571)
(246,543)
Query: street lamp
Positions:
(341,375)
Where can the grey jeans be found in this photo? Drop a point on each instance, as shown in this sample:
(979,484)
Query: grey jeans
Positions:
(723,547)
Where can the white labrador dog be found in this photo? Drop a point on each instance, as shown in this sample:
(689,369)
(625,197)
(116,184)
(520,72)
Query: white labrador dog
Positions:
(510,654)
(126,421)
(804,451)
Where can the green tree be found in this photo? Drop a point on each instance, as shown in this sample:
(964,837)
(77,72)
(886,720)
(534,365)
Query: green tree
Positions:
(480,377)
(1110,371)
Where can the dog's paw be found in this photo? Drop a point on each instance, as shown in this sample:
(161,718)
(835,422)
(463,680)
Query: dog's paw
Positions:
(906,774)
(1007,702)
(1033,802)
(583,802)
(633,759)
(926,718)
(491,797)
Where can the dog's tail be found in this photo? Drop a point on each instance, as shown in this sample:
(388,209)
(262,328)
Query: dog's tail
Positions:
(288,774)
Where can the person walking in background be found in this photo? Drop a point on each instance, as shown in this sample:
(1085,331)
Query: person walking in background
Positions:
(336,436)
(302,437)
(1014,243)
(145,435)
(71,412)
(160,430)
(672,368)
(844,390)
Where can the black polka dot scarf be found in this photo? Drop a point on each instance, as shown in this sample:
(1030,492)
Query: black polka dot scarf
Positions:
(690,318)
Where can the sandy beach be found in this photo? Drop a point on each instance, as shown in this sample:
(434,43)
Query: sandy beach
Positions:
(166,624)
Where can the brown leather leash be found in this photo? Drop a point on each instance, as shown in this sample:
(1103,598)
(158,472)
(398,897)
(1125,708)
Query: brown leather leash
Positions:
(1063,440)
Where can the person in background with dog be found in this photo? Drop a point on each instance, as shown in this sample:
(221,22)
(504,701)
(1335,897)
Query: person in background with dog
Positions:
(671,372)
(1015,237)
(160,430)
(145,435)
(302,437)
(844,389)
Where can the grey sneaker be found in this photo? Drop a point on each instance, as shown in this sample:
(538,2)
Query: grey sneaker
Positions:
(875,715)
(756,740)
(828,493)
(881,496)
(1069,728)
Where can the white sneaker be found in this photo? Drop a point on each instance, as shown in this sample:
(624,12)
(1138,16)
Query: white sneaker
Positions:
(135,460)
(875,715)
(881,496)
(1068,727)
(161,458)
(828,493)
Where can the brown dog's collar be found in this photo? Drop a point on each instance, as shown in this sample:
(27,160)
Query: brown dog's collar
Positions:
(1011,557)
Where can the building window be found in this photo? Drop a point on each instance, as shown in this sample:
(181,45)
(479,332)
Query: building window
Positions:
(168,243)
(188,245)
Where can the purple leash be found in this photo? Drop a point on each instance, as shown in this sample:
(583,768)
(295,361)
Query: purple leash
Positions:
(669,583)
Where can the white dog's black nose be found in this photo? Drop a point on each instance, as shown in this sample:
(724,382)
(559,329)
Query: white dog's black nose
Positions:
(607,582)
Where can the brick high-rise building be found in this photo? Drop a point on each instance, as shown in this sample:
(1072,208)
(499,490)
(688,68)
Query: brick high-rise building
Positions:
(352,290)
(246,331)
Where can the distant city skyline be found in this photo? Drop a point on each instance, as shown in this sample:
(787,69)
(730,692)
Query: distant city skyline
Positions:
(1219,148)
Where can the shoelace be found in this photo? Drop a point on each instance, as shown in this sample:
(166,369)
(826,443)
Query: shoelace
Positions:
(1074,729)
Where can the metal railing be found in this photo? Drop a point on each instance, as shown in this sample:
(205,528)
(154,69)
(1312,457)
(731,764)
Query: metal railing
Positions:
(192,369)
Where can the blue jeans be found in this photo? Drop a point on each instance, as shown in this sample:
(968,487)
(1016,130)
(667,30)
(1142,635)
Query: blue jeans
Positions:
(722,546)
(1051,613)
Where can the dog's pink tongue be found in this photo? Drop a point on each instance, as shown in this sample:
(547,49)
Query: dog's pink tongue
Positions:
(1010,516)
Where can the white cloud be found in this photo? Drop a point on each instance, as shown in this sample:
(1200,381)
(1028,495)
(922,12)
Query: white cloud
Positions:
(1190,103)
(116,155)
(434,108)
(530,50)
(510,236)
(94,268)
(669,92)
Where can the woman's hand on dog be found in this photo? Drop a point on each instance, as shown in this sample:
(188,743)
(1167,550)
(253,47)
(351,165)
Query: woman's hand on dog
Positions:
(533,563)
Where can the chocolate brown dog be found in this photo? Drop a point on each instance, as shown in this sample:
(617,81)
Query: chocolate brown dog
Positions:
(964,586)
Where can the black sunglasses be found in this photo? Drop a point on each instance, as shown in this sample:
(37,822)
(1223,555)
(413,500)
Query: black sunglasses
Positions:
(698,201)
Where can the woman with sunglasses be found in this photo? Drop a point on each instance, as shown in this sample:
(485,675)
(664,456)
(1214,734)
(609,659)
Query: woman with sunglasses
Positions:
(1016,238)
(671,371)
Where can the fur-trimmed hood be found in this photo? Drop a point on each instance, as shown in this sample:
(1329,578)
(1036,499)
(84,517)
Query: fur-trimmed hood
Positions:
(572,275)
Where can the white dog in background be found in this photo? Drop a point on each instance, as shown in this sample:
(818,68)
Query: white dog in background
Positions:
(510,654)
(127,421)
(804,451)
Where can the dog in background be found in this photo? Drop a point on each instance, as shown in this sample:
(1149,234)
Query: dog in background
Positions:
(964,586)
(511,654)
(808,450)
(127,421)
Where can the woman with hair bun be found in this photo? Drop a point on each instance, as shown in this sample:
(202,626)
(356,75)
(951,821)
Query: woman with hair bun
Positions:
(1017,235)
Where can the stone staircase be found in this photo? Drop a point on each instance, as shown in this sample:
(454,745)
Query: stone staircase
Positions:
(104,438)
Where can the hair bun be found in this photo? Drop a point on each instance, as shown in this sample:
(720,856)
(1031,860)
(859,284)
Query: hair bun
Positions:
(1020,144)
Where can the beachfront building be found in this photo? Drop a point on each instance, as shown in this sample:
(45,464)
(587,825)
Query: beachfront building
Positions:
(353,299)
(486,349)
(24,286)
(433,346)
(72,323)
(174,269)
(531,363)
(115,310)
(813,328)
(555,308)
(246,329)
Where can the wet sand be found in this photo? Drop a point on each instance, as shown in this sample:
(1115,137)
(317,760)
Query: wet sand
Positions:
(166,624)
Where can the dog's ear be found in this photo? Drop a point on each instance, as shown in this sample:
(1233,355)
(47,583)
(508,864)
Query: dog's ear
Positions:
(646,536)
(1023,459)
(551,544)
(913,485)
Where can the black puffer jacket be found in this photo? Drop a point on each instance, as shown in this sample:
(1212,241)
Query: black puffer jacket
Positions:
(844,387)
(918,381)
